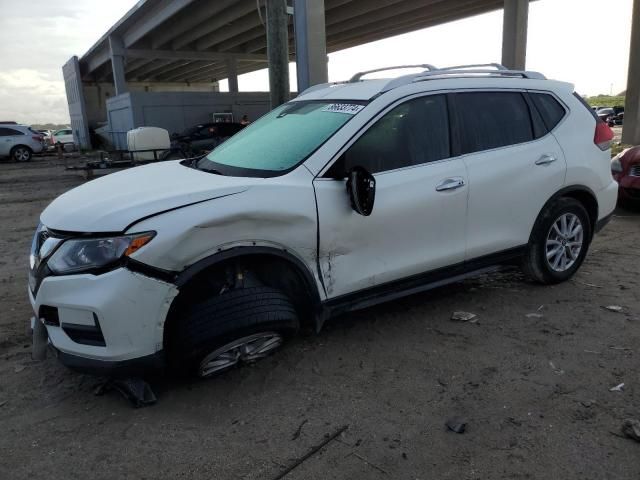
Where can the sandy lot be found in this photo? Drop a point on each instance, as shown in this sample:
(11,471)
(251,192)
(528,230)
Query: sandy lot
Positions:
(533,390)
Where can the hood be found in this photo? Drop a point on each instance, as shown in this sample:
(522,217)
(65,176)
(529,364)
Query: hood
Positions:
(113,202)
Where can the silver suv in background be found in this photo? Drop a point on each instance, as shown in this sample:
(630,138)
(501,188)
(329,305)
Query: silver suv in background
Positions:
(19,142)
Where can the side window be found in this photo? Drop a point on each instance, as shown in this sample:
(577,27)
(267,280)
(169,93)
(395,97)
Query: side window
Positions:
(550,109)
(412,133)
(9,132)
(491,120)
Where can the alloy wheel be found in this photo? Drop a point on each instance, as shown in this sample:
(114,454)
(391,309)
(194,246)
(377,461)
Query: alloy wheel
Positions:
(246,350)
(21,154)
(564,242)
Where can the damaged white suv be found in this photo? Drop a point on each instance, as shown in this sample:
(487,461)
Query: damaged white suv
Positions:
(350,195)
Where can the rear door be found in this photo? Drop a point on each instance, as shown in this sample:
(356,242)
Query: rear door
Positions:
(10,137)
(6,143)
(514,165)
(418,220)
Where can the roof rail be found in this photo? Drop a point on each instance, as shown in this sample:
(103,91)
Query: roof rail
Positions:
(359,75)
(461,71)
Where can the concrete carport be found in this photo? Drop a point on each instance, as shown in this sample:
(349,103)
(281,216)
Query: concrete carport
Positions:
(177,50)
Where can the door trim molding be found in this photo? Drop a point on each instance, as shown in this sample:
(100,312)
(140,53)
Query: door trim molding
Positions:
(421,282)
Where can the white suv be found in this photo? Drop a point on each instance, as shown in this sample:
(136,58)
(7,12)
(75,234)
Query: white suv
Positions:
(350,195)
(19,142)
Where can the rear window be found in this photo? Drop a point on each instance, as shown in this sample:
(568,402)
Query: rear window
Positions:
(489,120)
(550,109)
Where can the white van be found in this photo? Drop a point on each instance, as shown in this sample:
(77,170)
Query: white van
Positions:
(352,194)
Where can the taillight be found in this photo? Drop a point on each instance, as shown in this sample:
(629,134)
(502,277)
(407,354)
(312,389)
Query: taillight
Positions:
(37,138)
(603,136)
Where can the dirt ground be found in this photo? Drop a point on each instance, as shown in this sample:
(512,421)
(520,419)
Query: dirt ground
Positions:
(534,390)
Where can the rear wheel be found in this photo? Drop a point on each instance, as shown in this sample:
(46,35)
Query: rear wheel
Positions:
(21,153)
(559,242)
(237,327)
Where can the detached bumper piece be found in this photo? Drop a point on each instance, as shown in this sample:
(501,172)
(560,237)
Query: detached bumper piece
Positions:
(136,390)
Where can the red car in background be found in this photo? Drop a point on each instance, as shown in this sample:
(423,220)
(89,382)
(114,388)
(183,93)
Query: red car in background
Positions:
(625,168)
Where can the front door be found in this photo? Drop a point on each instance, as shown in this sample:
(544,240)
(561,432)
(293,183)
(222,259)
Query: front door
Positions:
(418,219)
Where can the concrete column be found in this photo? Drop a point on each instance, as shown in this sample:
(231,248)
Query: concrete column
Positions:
(311,43)
(631,128)
(514,34)
(116,51)
(232,75)
(278,51)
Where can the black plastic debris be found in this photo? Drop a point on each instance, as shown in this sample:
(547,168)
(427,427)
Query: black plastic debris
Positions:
(456,425)
(631,428)
(136,390)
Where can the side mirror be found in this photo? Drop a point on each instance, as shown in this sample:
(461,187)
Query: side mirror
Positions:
(361,187)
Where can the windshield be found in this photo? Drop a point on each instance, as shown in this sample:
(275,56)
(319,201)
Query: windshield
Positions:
(280,140)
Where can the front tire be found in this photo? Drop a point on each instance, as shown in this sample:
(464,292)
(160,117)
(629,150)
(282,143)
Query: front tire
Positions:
(240,326)
(21,154)
(559,242)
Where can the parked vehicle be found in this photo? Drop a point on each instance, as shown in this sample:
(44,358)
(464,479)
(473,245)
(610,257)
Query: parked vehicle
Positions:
(47,137)
(611,115)
(64,136)
(204,137)
(625,168)
(605,113)
(19,142)
(349,195)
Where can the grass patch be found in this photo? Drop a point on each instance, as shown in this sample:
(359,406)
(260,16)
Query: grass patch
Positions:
(606,101)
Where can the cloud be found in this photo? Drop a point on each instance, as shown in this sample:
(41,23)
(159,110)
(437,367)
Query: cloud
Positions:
(30,96)
(35,41)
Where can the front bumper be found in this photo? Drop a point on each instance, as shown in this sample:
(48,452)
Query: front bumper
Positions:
(127,308)
(136,367)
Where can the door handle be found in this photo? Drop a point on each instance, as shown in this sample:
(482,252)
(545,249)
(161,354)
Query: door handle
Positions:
(546,160)
(450,184)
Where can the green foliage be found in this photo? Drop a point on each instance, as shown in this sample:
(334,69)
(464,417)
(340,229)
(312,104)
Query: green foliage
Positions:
(617,148)
(49,126)
(606,101)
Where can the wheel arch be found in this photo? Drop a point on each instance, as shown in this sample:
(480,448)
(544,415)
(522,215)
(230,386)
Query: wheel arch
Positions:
(20,145)
(581,193)
(275,267)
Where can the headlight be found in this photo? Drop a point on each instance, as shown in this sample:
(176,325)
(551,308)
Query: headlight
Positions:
(80,254)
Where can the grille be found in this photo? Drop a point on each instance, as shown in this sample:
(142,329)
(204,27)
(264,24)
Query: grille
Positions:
(635,171)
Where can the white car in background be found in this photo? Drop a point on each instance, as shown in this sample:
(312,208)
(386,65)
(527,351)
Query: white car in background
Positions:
(64,136)
(19,142)
(347,196)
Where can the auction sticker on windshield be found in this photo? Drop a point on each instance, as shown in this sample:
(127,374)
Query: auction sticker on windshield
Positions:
(349,108)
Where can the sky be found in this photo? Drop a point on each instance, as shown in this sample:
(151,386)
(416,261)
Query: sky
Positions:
(566,41)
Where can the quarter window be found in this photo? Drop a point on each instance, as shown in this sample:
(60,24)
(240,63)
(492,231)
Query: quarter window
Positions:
(413,133)
(550,109)
(488,120)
